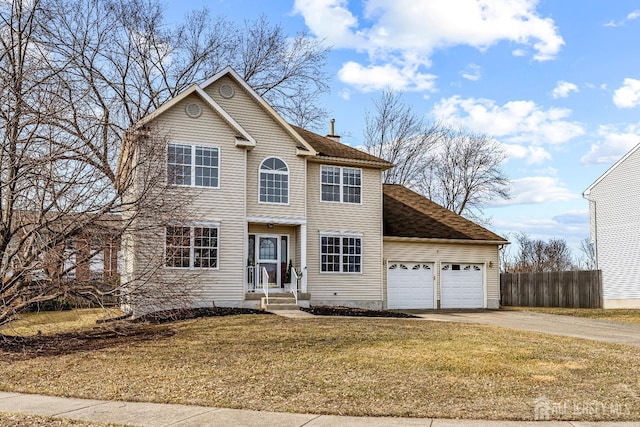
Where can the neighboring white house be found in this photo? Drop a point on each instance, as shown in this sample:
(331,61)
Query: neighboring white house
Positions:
(614,212)
(266,195)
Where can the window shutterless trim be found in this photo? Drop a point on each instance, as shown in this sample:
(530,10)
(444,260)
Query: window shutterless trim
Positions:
(192,226)
(287,174)
(193,165)
(342,235)
(341,185)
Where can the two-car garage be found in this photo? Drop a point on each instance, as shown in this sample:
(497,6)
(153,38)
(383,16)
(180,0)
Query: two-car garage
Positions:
(413,285)
(435,258)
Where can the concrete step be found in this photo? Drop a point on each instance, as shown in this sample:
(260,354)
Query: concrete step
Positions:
(279,302)
(278,307)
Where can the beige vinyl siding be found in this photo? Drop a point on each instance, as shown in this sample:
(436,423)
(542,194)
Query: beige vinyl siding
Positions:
(271,141)
(224,205)
(365,218)
(615,219)
(441,253)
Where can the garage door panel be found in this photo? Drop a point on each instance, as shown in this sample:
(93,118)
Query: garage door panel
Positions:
(409,285)
(461,286)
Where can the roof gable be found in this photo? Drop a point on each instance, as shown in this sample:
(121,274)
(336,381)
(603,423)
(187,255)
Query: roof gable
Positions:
(229,71)
(194,89)
(611,169)
(408,214)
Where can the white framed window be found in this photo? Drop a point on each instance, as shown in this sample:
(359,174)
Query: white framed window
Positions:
(193,165)
(192,246)
(274,181)
(340,253)
(340,184)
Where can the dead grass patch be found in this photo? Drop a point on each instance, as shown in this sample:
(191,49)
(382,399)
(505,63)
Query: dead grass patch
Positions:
(55,322)
(23,420)
(618,315)
(345,366)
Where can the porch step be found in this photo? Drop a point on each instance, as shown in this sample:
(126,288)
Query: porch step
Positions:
(279,302)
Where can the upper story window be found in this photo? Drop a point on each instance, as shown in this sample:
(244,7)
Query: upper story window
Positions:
(274,181)
(193,165)
(340,184)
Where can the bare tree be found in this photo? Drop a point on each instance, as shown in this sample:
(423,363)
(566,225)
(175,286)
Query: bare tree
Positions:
(465,172)
(459,169)
(397,134)
(75,78)
(535,255)
(587,258)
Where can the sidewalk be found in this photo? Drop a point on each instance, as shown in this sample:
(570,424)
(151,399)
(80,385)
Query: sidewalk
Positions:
(156,415)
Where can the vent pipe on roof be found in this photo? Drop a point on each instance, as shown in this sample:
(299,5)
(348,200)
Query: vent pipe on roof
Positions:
(333,135)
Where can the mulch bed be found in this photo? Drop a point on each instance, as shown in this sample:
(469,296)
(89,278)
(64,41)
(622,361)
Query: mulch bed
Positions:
(325,310)
(194,313)
(108,334)
(25,347)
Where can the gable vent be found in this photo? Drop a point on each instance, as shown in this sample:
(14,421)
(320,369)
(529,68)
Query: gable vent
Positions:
(227,91)
(193,110)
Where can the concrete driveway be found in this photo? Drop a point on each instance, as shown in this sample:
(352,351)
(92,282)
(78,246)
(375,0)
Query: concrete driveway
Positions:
(591,329)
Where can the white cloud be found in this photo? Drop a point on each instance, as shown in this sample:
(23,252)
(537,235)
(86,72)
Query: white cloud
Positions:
(615,144)
(537,189)
(345,94)
(472,72)
(563,89)
(533,155)
(628,95)
(405,33)
(634,15)
(377,77)
(516,122)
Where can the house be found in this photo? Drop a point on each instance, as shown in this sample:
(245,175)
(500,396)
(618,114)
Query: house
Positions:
(614,213)
(272,203)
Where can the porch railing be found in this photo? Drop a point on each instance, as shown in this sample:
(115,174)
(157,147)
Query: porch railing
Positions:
(293,286)
(265,283)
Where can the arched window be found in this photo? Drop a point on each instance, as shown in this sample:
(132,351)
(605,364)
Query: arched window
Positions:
(274,181)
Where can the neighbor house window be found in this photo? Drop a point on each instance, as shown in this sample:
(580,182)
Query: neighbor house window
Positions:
(340,184)
(340,254)
(274,181)
(192,247)
(193,165)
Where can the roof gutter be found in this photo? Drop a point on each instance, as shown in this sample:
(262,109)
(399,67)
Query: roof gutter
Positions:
(454,241)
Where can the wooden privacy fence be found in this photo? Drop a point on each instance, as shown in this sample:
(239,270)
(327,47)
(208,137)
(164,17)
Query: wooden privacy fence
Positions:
(570,289)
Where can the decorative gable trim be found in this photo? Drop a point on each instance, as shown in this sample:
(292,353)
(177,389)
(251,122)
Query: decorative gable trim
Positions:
(614,166)
(268,108)
(195,89)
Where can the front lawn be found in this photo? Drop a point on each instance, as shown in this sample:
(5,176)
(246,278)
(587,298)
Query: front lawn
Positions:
(54,322)
(347,366)
(618,315)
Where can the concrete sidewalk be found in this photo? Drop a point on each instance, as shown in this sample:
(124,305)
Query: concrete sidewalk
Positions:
(156,414)
(578,327)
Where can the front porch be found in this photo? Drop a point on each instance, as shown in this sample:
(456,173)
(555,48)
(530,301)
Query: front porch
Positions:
(276,259)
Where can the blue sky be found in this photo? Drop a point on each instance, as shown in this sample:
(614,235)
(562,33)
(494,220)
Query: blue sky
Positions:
(556,82)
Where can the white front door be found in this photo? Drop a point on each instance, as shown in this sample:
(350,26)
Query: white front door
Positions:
(268,258)
(270,251)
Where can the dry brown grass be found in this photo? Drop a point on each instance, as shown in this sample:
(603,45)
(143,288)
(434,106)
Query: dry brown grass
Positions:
(22,420)
(345,366)
(618,315)
(55,322)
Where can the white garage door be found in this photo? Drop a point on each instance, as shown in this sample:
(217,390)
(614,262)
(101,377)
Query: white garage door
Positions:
(409,285)
(461,286)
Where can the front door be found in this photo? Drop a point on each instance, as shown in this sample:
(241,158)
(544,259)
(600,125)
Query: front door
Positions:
(271,253)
